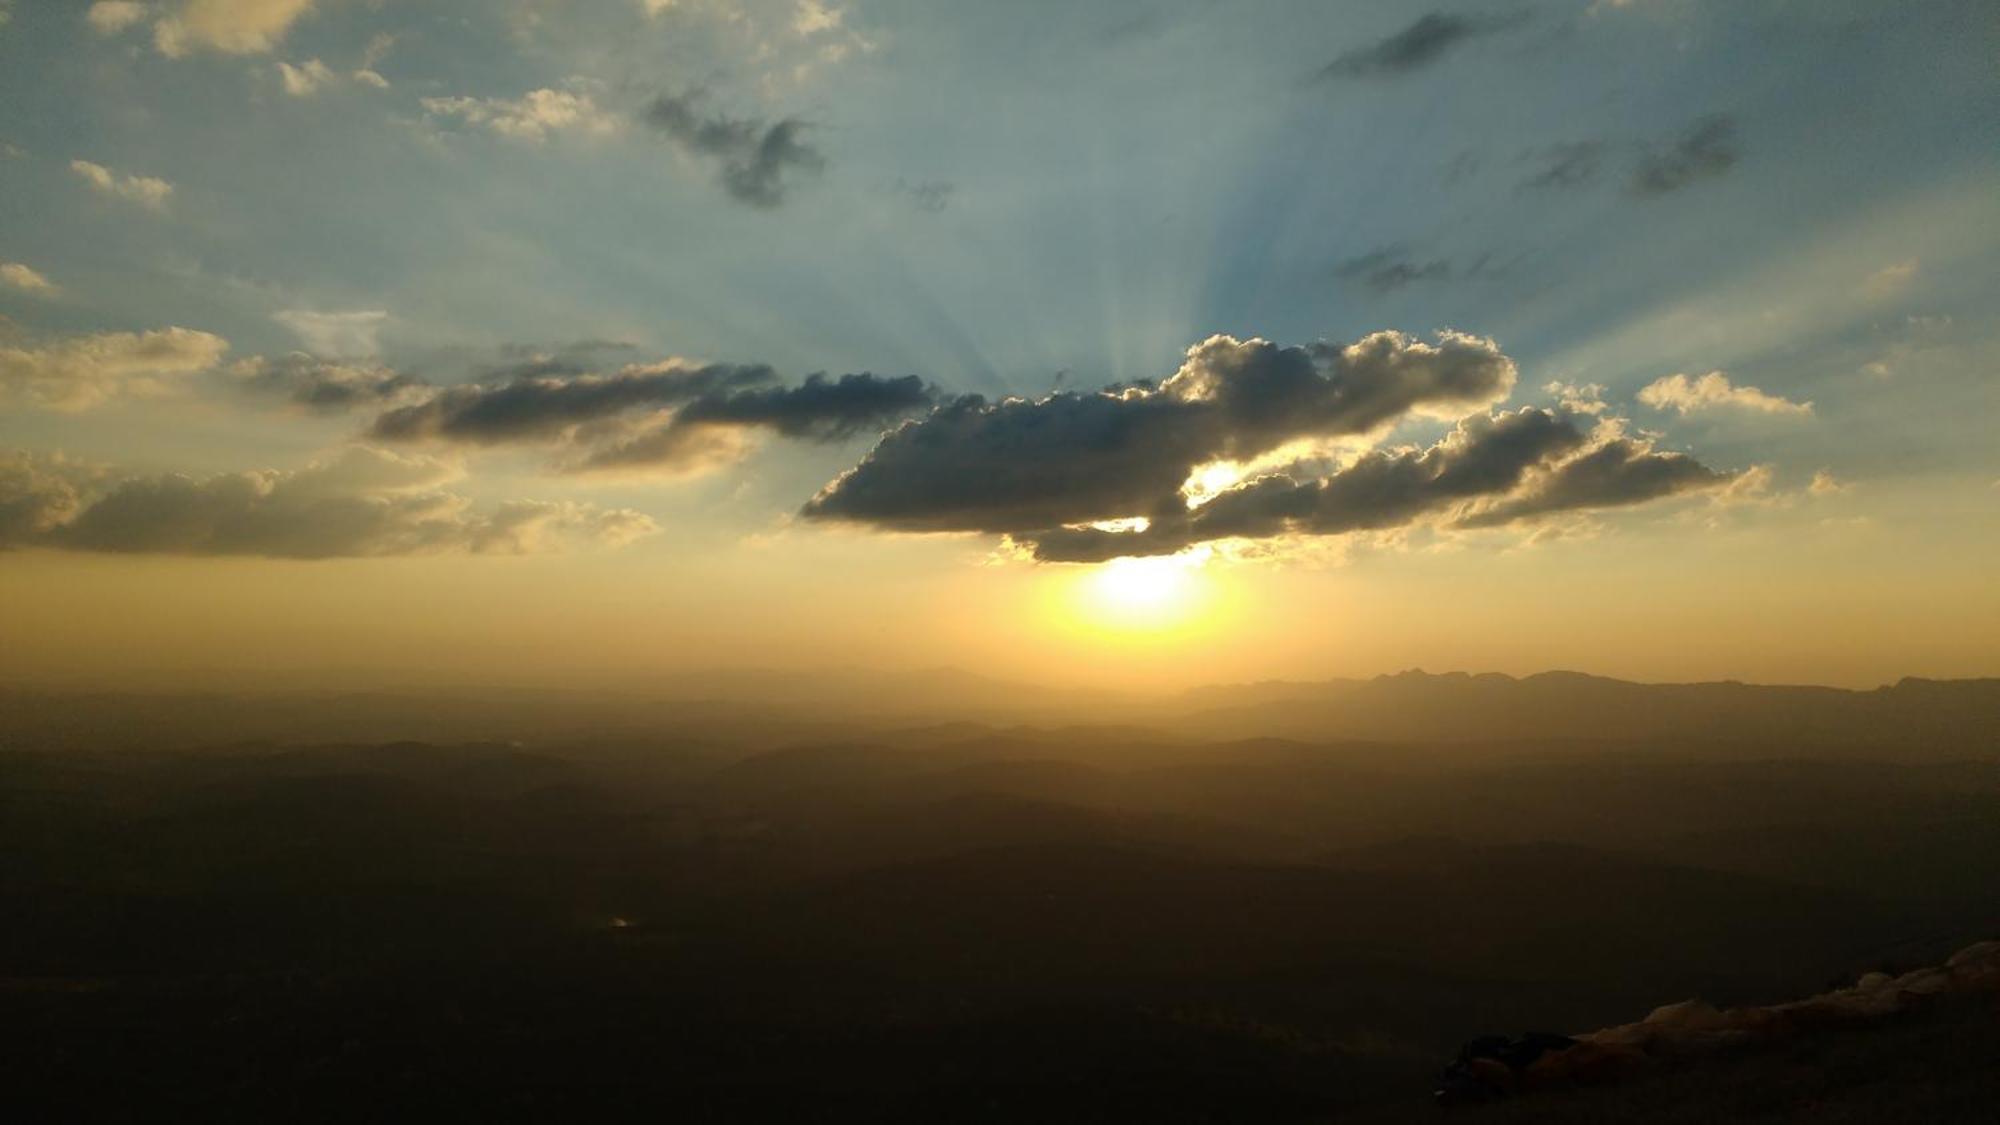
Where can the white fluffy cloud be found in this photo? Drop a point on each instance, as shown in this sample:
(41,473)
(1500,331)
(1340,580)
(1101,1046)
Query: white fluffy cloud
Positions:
(232,27)
(80,372)
(1579,398)
(531,117)
(14,275)
(149,192)
(1686,394)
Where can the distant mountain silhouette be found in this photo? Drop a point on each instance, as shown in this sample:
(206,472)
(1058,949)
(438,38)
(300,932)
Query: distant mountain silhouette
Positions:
(1952,718)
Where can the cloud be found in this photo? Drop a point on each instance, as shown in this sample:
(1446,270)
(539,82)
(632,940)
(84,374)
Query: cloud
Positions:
(354,333)
(307,78)
(522,527)
(820,409)
(379,46)
(713,427)
(1570,164)
(1685,395)
(575,357)
(1021,466)
(147,191)
(322,385)
(232,27)
(313,75)
(926,195)
(38,492)
(79,372)
(671,416)
(1089,477)
(1484,455)
(1707,149)
(664,448)
(1890,280)
(814,16)
(109,17)
(537,408)
(756,162)
(1824,483)
(531,117)
(14,275)
(363,503)
(1619,472)
(1579,398)
(1390,268)
(1422,43)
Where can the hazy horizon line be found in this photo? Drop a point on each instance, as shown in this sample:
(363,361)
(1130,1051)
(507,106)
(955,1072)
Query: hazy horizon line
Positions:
(623,682)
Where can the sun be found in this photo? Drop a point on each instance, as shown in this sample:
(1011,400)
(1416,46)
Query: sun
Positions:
(1143,594)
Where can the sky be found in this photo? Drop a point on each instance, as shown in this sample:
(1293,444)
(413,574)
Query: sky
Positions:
(1138,343)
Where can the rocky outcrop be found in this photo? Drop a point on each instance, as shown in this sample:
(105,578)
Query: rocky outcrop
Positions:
(1491,1067)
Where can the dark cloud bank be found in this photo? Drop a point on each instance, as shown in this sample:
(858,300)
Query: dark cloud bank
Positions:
(670,416)
(1045,471)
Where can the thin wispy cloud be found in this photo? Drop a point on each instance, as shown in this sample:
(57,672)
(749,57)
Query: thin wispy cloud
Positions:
(1685,394)
(343,334)
(149,192)
(1425,42)
(1708,148)
(535,116)
(1566,165)
(312,77)
(25,279)
(1393,268)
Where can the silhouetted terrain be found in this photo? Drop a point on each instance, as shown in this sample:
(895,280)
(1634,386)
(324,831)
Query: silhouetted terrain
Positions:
(1279,902)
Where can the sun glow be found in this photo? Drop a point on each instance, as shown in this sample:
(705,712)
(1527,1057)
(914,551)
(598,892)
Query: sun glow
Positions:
(1153,594)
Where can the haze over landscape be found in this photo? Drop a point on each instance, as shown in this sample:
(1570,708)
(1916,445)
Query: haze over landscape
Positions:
(940,560)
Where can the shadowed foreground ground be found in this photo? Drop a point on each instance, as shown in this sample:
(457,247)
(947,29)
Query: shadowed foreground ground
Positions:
(964,922)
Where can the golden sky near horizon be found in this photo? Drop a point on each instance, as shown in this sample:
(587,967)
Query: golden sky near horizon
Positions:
(1616,605)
